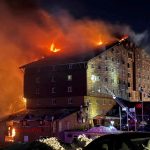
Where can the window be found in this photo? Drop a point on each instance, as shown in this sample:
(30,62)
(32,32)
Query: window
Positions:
(92,65)
(53,90)
(52,79)
(70,66)
(38,70)
(106,68)
(128,65)
(129,94)
(53,101)
(129,75)
(69,77)
(41,122)
(112,80)
(37,91)
(53,68)
(69,100)
(37,80)
(99,90)
(104,102)
(24,123)
(106,80)
(99,67)
(128,84)
(69,89)
(129,55)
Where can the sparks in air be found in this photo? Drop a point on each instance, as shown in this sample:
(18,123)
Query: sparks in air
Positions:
(53,48)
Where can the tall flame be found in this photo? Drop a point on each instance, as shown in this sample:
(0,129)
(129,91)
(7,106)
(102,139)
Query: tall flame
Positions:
(53,48)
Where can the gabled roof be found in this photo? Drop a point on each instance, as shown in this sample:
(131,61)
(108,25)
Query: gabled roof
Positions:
(58,59)
(44,114)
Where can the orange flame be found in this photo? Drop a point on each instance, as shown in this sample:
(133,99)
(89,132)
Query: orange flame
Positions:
(100,43)
(123,38)
(53,48)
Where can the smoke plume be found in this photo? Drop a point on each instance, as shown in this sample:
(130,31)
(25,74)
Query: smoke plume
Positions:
(26,33)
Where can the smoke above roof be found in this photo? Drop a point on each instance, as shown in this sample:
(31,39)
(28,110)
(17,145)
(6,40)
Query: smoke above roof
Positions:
(26,34)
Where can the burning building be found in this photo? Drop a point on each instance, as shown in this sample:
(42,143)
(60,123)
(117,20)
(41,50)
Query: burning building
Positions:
(65,93)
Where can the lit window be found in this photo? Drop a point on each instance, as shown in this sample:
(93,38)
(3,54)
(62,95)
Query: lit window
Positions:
(99,90)
(69,89)
(69,77)
(53,90)
(69,100)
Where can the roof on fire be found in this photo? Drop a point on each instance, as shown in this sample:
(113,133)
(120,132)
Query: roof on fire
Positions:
(58,59)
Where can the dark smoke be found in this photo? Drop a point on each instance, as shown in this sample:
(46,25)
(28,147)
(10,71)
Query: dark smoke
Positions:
(26,32)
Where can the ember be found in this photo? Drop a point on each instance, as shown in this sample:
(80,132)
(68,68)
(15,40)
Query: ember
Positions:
(123,38)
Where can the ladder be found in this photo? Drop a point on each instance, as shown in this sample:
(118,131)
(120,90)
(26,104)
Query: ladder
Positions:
(122,105)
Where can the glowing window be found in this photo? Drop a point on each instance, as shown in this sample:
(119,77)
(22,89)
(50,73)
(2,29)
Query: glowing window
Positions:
(69,77)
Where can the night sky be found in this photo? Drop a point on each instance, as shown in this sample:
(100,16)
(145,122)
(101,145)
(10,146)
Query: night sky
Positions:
(135,13)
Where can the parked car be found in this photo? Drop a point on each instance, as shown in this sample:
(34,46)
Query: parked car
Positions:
(121,141)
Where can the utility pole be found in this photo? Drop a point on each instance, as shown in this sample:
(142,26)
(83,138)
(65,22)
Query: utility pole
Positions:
(141,100)
(120,118)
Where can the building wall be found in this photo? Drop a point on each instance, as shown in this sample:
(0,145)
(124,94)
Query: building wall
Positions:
(33,129)
(58,102)
(109,69)
(55,84)
(99,105)
(143,74)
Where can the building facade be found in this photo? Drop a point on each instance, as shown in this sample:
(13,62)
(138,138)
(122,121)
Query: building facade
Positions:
(82,82)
